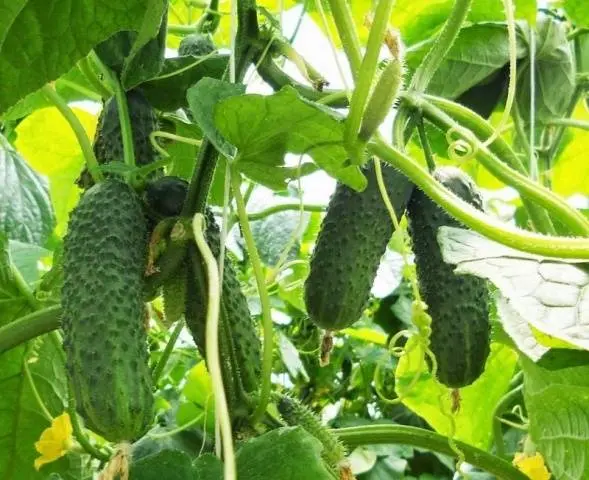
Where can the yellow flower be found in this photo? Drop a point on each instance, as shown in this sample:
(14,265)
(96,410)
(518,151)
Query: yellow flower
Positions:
(55,441)
(532,465)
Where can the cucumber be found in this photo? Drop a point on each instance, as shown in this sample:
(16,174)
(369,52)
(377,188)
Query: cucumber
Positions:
(196,44)
(239,341)
(353,237)
(108,140)
(104,258)
(457,304)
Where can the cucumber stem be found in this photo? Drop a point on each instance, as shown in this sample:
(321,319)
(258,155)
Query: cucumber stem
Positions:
(79,132)
(28,327)
(548,246)
(212,347)
(266,383)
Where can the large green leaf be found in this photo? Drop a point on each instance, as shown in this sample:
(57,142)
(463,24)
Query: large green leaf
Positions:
(557,403)
(479,51)
(551,295)
(45,38)
(25,207)
(166,464)
(554,72)
(427,397)
(265,128)
(288,453)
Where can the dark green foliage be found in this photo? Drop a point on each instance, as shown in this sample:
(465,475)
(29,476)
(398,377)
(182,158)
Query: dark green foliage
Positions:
(458,304)
(196,44)
(239,341)
(104,259)
(353,237)
(165,196)
(108,140)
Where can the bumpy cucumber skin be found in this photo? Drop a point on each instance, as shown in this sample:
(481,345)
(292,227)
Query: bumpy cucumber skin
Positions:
(239,341)
(197,44)
(353,237)
(457,304)
(105,340)
(108,139)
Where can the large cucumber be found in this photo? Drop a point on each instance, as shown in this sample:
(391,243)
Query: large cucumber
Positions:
(104,258)
(353,237)
(457,304)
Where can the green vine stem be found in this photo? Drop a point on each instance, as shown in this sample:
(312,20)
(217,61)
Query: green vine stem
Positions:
(85,66)
(202,176)
(366,73)
(549,246)
(176,29)
(28,327)
(159,368)
(430,64)
(566,214)
(266,383)
(212,347)
(385,434)
(482,129)
(283,207)
(500,409)
(344,22)
(123,111)
(569,122)
(79,132)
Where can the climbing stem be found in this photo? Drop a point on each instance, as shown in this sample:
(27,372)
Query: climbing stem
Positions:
(78,129)
(500,409)
(387,434)
(212,347)
(266,385)
(549,246)
(28,327)
(159,368)
(566,214)
(344,22)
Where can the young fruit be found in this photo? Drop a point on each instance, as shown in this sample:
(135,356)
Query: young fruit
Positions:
(239,341)
(104,258)
(165,196)
(457,304)
(353,237)
(108,140)
(196,44)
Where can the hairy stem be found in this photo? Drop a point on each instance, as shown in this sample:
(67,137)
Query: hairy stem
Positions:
(212,347)
(383,434)
(159,368)
(344,22)
(28,327)
(79,132)
(266,384)
(549,246)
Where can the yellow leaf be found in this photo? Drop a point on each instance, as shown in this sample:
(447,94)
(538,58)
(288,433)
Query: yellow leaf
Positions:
(55,441)
(533,466)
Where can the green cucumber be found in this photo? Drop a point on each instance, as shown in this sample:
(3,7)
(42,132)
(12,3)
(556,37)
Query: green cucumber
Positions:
(353,237)
(457,304)
(104,259)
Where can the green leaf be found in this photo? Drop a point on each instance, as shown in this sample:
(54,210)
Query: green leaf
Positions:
(386,468)
(291,358)
(203,98)
(557,402)
(208,467)
(20,412)
(25,257)
(554,66)
(275,177)
(45,38)
(265,128)
(26,212)
(167,464)
(288,453)
(168,90)
(577,11)
(146,57)
(550,294)
(13,302)
(479,51)
(71,86)
(474,418)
